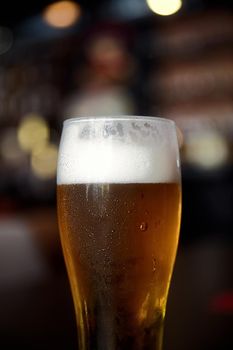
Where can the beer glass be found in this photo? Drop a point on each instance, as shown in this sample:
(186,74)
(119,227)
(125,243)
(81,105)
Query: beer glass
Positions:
(119,207)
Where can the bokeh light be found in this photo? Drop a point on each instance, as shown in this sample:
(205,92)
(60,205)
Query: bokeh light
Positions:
(44,161)
(164,7)
(207,149)
(62,14)
(33,132)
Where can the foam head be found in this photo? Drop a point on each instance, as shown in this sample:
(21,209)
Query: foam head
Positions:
(118,150)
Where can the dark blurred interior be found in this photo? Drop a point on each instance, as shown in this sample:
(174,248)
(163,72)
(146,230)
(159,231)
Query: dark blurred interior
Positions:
(110,57)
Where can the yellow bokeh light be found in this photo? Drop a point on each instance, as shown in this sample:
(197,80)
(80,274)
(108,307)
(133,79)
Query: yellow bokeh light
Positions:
(33,132)
(62,14)
(164,7)
(207,149)
(44,161)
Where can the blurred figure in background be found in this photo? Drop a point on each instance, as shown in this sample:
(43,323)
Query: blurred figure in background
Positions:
(103,79)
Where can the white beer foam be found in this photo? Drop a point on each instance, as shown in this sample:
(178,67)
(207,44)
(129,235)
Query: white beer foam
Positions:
(100,160)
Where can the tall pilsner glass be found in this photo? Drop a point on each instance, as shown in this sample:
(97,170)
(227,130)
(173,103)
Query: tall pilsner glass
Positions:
(119,207)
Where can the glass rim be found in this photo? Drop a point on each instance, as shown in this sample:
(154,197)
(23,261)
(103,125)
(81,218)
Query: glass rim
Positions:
(118,117)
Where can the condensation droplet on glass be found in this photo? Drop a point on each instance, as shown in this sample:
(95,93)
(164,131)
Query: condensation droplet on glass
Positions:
(143,226)
(154,265)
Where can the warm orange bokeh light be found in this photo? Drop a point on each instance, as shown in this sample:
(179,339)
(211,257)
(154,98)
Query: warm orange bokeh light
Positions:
(62,14)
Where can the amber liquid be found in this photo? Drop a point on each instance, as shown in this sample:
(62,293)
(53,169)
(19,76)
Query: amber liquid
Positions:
(119,243)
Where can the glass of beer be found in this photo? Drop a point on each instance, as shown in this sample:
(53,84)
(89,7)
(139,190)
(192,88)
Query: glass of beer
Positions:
(119,207)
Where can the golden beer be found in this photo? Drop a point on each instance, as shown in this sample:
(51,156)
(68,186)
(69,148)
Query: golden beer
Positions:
(119,242)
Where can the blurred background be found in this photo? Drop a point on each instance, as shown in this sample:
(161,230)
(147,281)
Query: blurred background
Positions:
(170,58)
